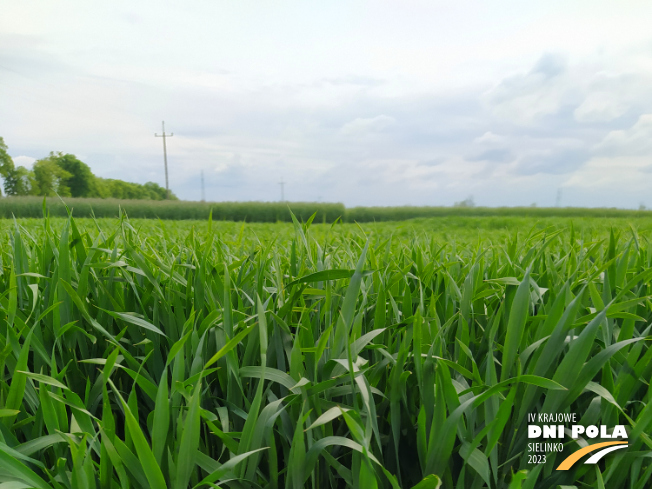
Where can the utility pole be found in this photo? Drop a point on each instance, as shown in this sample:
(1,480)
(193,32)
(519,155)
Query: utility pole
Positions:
(165,159)
(203,194)
(282,184)
(558,202)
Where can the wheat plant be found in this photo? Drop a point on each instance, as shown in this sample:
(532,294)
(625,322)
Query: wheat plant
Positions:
(138,356)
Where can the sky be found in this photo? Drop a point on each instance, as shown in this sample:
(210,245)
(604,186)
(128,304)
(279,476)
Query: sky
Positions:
(378,103)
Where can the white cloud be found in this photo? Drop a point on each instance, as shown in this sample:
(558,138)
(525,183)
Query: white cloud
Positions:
(555,160)
(363,126)
(600,107)
(637,140)
(489,138)
(526,97)
(610,96)
(491,148)
(614,174)
(398,104)
(26,161)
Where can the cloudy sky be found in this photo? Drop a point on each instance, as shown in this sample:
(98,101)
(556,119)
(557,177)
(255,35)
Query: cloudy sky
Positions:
(365,103)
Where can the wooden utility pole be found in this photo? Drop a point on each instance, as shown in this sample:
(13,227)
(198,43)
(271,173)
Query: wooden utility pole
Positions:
(165,159)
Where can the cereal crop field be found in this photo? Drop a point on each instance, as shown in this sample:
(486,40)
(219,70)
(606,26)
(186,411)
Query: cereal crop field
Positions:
(145,353)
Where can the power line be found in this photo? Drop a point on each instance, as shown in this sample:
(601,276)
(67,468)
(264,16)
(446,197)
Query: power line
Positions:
(165,159)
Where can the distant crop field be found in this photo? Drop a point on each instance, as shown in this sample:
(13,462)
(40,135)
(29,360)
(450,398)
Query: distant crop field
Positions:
(196,353)
(169,209)
(20,207)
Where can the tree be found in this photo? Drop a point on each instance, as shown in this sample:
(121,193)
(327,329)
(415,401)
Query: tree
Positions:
(81,181)
(156,192)
(67,176)
(5,160)
(109,188)
(6,163)
(49,178)
(17,181)
(468,202)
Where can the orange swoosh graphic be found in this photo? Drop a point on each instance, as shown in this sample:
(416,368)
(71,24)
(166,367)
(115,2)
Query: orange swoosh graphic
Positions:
(574,457)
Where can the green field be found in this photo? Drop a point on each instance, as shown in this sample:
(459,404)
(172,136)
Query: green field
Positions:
(24,207)
(142,353)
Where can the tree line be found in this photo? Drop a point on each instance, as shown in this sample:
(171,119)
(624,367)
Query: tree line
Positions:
(65,175)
